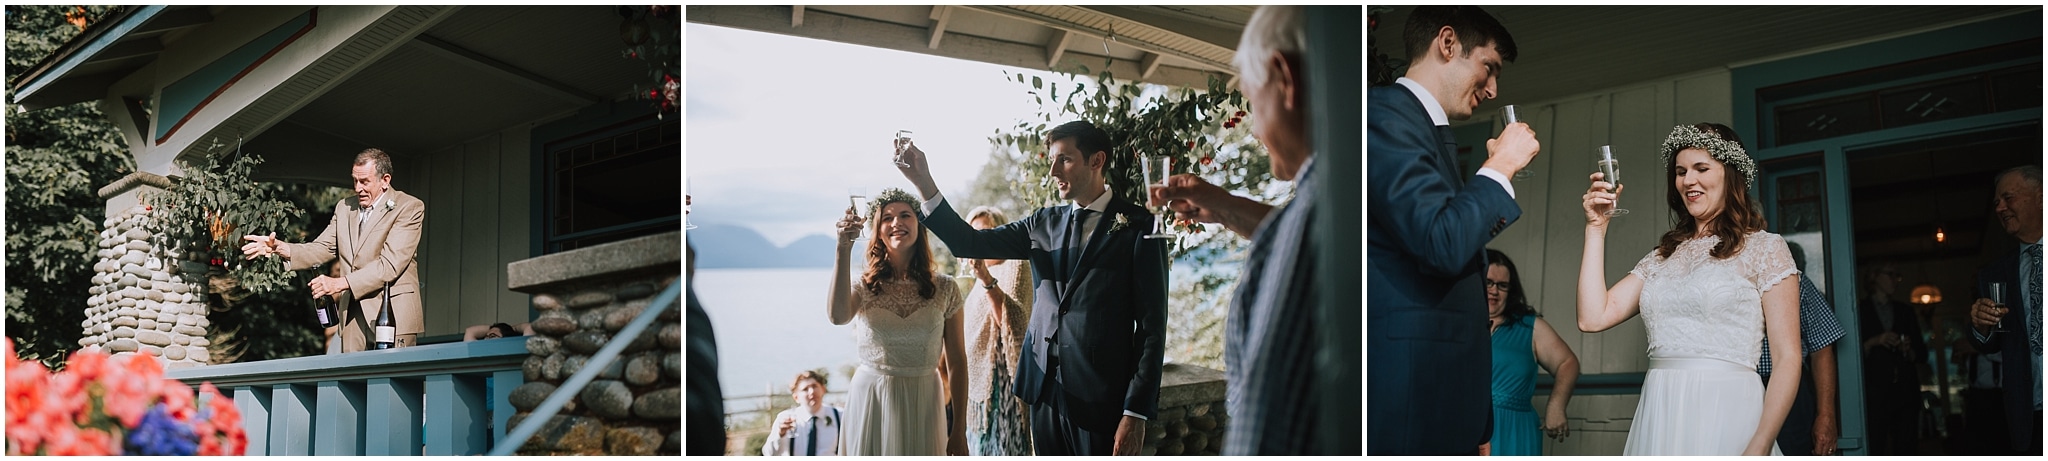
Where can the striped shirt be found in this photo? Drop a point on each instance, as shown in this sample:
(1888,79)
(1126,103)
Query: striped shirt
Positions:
(1270,340)
(1818,326)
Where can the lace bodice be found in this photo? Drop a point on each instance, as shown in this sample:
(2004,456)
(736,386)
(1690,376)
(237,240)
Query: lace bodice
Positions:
(900,332)
(1696,306)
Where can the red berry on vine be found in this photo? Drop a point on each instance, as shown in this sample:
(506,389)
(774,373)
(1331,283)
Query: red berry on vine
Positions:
(1230,124)
(1207,159)
(1191,144)
(149,208)
(1240,113)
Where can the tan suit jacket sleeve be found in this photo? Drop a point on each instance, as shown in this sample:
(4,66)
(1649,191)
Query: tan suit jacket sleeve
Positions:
(319,251)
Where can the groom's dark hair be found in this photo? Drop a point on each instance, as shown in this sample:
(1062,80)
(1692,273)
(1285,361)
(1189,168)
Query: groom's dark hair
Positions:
(1474,27)
(1087,138)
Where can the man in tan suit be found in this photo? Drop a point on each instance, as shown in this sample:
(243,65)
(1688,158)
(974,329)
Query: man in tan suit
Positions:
(375,237)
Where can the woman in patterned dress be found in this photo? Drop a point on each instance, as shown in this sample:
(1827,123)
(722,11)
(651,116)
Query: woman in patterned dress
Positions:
(998,309)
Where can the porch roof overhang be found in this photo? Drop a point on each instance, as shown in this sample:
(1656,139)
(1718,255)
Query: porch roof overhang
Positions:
(1568,51)
(1171,45)
(111,49)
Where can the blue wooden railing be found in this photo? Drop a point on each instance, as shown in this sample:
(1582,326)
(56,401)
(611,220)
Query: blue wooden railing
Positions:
(423,400)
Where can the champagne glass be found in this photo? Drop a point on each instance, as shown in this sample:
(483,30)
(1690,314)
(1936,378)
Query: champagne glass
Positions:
(1156,170)
(1610,171)
(686,213)
(853,196)
(902,141)
(1507,115)
(1998,297)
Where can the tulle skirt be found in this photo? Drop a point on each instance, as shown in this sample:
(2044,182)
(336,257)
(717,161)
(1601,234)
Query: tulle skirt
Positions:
(895,414)
(1696,406)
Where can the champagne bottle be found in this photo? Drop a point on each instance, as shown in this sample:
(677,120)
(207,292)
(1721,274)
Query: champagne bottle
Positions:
(387,331)
(324,309)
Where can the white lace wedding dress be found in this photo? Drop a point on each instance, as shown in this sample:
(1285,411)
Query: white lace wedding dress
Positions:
(895,405)
(1705,319)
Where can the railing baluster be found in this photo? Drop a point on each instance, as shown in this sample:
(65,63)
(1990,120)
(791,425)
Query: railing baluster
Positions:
(393,417)
(455,415)
(254,404)
(341,419)
(502,384)
(291,420)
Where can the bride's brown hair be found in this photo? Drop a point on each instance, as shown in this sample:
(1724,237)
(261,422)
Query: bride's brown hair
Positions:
(1738,217)
(879,268)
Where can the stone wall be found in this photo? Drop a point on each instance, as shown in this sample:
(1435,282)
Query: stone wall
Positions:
(1191,414)
(584,297)
(147,297)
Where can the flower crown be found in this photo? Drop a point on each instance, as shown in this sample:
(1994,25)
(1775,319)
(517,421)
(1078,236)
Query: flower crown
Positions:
(892,195)
(1729,152)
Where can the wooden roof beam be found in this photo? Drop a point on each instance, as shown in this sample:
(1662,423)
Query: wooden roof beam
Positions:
(941,14)
(1057,47)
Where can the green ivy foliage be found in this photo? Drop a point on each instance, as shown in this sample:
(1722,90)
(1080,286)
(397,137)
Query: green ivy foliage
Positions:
(57,159)
(220,194)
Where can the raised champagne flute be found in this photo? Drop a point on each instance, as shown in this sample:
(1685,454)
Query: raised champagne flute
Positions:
(853,196)
(1156,170)
(902,141)
(1610,171)
(1507,116)
(1998,297)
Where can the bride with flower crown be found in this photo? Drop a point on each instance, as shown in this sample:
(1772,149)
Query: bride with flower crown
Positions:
(1709,293)
(904,316)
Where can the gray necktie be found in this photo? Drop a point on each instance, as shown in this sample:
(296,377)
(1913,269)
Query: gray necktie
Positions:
(2034,297)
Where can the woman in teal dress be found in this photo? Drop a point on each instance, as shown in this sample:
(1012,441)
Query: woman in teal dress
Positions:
(1521,341)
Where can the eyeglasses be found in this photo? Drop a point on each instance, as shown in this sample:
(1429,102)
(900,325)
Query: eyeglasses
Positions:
(1496,286)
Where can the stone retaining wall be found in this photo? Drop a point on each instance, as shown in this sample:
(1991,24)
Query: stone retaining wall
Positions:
(584,297)
(1191,413)
(147,296)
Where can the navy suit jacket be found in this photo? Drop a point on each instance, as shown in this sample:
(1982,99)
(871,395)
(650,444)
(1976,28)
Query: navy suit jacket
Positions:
(1428,355)
(2018,379)
(1107,315)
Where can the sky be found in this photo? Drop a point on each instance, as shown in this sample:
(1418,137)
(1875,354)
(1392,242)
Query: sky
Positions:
(780,127)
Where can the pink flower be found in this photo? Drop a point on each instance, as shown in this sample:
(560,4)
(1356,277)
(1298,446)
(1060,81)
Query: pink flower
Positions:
(178,401)
(88,364)
(25,382)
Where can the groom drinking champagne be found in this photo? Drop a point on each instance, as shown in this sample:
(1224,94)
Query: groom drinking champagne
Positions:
(1428,362)
(1093,350)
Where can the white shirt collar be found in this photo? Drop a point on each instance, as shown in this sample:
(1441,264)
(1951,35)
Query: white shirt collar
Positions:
(1304,167)
(1429,102)
(1101,202)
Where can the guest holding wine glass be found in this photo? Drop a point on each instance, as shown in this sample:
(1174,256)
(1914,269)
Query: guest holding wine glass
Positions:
(811,428)
(1521,341)
(998,310)
(2012,328)
(1893,352)
(904,316)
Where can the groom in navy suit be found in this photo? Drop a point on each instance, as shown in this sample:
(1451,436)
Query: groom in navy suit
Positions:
(1097,338)
(1428,362)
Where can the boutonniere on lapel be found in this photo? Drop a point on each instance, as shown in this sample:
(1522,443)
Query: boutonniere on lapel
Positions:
(1120,223)
(389,204)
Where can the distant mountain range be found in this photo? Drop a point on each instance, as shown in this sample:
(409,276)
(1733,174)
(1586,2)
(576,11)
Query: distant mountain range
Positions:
(724,246)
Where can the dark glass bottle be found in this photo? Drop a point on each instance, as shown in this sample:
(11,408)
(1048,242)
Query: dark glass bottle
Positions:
(324,309)
(387,331)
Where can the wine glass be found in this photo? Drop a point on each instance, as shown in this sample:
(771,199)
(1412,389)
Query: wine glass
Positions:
(1610,171)
(1998,297)
(1507,115)
(902,141)
(853,196)
(1156,170)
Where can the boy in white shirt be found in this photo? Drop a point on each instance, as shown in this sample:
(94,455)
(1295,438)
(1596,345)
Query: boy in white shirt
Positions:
(809,429)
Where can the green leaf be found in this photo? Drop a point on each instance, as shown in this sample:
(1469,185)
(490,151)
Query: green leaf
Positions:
(1036,83)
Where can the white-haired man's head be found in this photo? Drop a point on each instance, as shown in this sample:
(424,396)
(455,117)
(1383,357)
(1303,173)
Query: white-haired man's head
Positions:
(1272,28)
(1270,62)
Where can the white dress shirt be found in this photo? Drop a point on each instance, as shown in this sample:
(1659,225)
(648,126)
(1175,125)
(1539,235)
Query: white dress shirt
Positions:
(1436,116)
(1099,206)
(798,439)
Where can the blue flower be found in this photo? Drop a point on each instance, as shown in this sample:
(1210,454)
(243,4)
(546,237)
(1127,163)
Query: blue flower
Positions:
(160,435)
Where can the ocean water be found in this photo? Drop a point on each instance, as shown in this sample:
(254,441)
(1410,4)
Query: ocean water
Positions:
(771,324)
